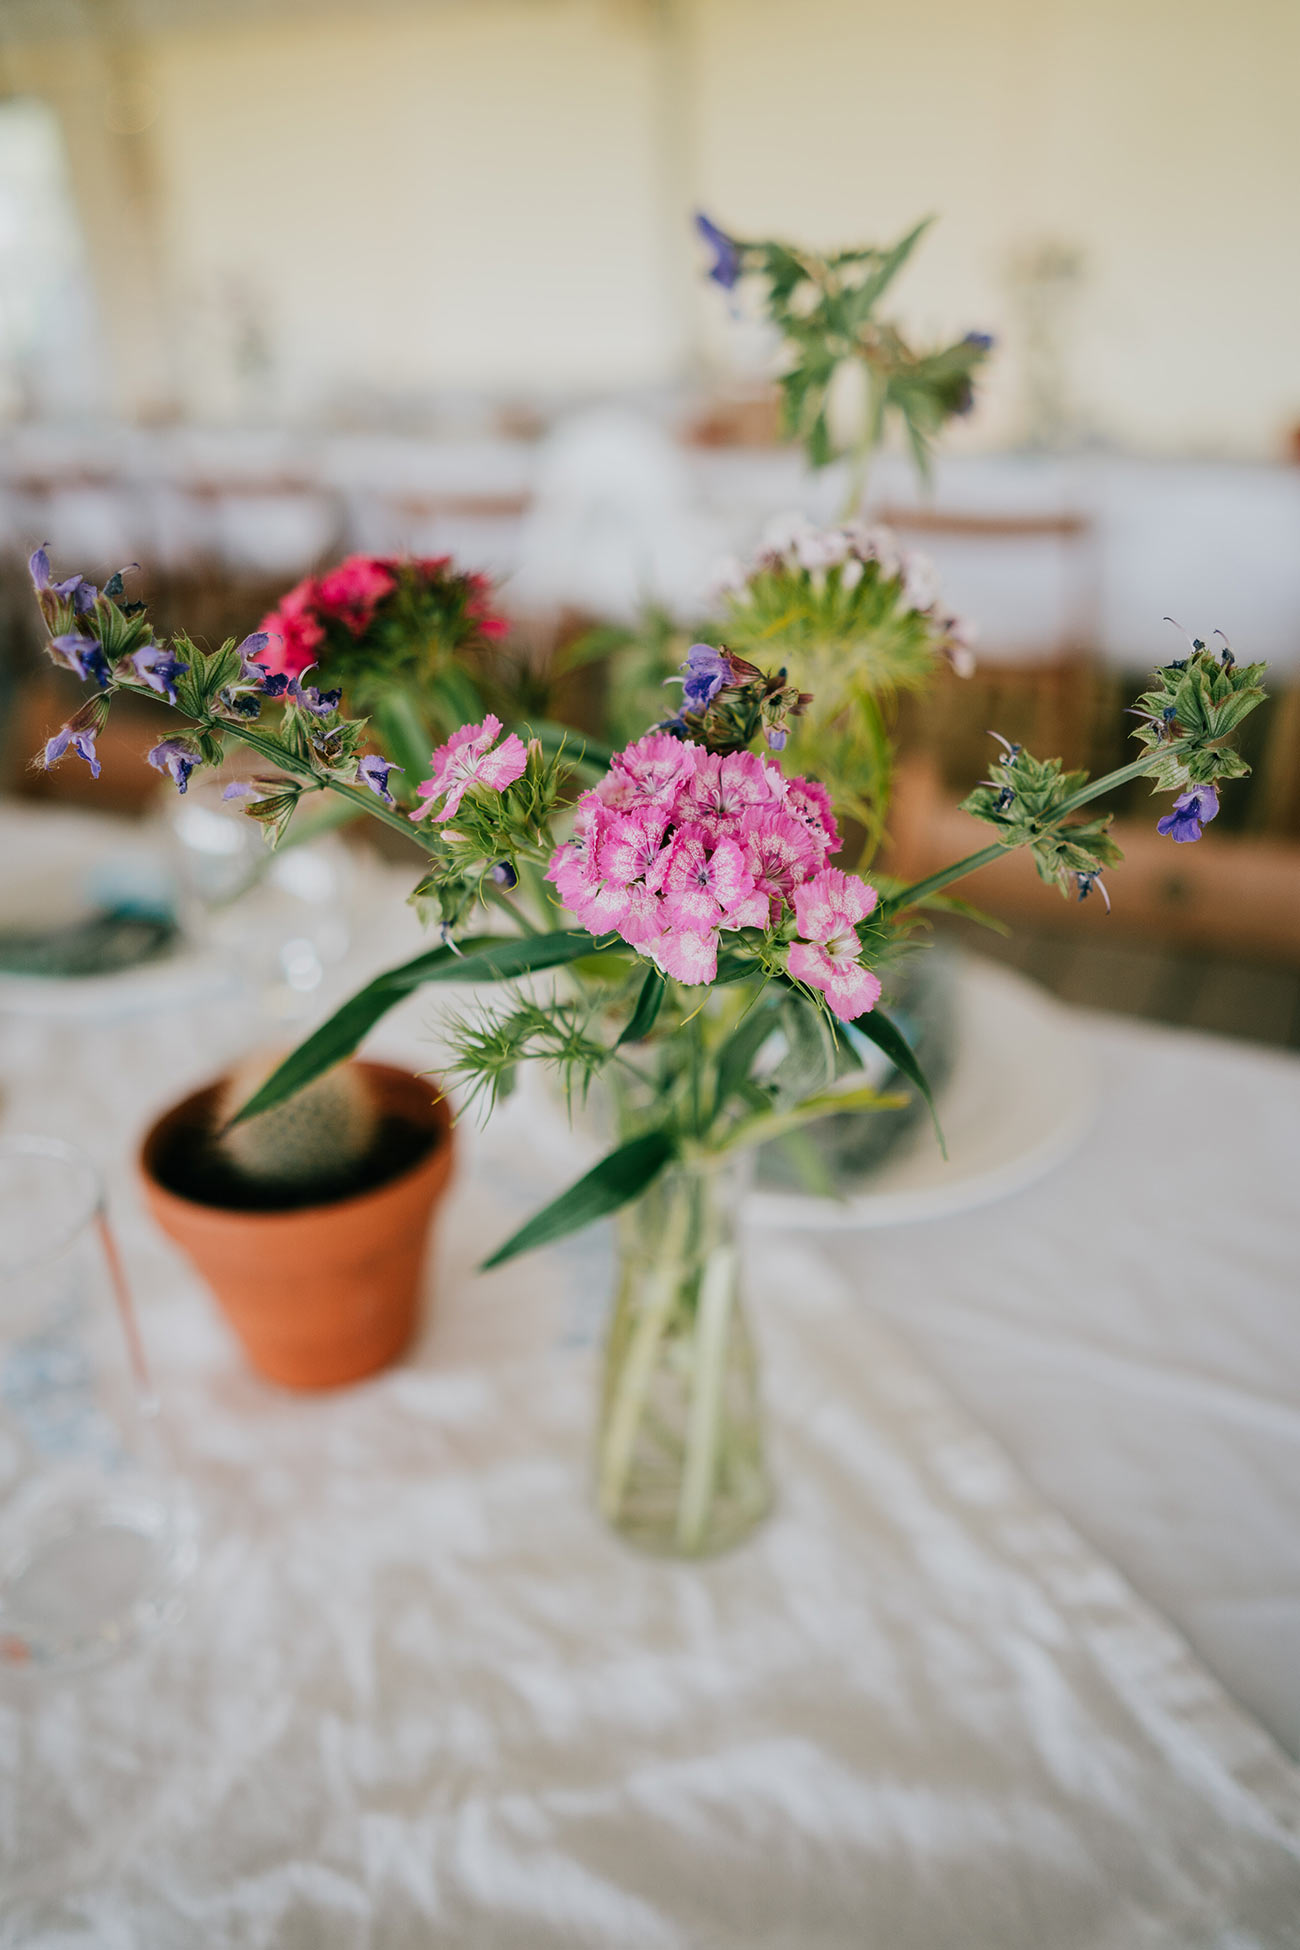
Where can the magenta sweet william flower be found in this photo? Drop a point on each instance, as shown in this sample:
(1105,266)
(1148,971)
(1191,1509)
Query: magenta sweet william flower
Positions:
(827,909)
(353,591)
(467,759)
(292,631)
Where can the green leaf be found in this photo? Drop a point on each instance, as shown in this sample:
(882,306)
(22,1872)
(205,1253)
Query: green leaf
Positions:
(488,959)
(863,297)
(619,1178)
(405,738)
(455,698)
(887,1037)
(740,1049)
(648,1004)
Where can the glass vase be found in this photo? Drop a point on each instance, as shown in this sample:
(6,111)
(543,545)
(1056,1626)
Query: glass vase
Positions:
(680,1466)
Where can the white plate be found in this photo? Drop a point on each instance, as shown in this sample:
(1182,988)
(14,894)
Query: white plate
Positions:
(56,863)
(1021,1096)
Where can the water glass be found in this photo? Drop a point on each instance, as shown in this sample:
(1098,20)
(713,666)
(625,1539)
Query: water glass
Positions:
(97,1533)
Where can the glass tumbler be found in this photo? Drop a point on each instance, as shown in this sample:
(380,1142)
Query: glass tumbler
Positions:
(97,1534)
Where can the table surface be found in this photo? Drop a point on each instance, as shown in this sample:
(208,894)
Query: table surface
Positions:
(420,1696)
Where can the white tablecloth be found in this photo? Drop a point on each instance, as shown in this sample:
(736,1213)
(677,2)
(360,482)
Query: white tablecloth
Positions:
(1130,1329)
(420,1696)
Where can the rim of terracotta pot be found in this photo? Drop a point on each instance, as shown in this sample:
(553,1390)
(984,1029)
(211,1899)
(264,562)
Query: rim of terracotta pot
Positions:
(392,1081)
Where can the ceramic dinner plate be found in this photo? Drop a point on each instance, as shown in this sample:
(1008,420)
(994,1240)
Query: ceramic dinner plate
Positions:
(1021,1095)
(58,866)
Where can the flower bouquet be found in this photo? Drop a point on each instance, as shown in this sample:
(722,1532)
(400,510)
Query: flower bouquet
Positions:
(718,966)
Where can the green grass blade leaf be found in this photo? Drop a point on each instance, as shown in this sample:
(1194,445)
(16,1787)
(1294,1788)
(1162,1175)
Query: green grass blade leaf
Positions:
(619,1178)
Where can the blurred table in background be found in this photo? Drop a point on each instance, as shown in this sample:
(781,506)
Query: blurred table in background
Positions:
(1212,542)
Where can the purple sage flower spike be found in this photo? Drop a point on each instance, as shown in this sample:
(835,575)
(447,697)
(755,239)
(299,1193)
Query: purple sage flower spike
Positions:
(154,666)
(174,756)
(73,737)
(727,262)
(248,652)
(1086,882)
(83,655)
(374,772)
(1192,810)
(707,671)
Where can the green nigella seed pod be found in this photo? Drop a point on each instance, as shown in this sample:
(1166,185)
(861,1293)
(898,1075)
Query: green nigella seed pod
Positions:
(313,1140)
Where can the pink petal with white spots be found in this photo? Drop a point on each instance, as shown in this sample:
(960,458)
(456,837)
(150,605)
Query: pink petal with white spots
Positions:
(688,957)
(830,902)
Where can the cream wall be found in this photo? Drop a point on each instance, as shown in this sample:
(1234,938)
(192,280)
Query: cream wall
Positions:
(1160,136)
(459,196)
(495,193)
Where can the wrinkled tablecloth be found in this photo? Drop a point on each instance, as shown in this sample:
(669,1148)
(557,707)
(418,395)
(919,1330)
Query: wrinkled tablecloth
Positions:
(420,1696)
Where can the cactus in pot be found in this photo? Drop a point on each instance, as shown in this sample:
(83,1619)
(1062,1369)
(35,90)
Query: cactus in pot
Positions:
(309,1146)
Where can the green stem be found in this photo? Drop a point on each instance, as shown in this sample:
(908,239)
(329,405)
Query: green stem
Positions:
(934,883)
(708,1377)
(277,753)
(637,1367)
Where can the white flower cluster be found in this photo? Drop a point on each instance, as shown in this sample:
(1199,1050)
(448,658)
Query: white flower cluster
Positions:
(791,544)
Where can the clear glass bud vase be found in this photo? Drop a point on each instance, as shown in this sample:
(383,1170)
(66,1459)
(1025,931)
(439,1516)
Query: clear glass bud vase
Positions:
(680,1466)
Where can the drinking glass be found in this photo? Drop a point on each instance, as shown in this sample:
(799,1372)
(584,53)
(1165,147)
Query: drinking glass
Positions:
(97,1534)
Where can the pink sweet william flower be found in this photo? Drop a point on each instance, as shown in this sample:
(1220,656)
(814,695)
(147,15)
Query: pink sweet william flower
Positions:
(705,883)
(630,843)
(649,773)
(721,791)
(809,801)
(686,955)
(352,591)
(780,852)
(467,759)
(827,909)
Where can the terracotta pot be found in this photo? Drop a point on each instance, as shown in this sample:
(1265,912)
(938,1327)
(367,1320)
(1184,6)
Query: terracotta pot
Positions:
(319,1294)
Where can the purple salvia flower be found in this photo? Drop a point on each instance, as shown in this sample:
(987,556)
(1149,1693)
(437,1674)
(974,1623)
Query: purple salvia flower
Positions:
(250,670)
(1085,882)
(277,684)
(175,756)
(504,875)
(83,655)
(374,771)
(319,703)
(38,567)
(80,593)
(777,736)
(727,260)
(241,789)
(1191,810)
(154,666)
(73,737)
(707,671)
